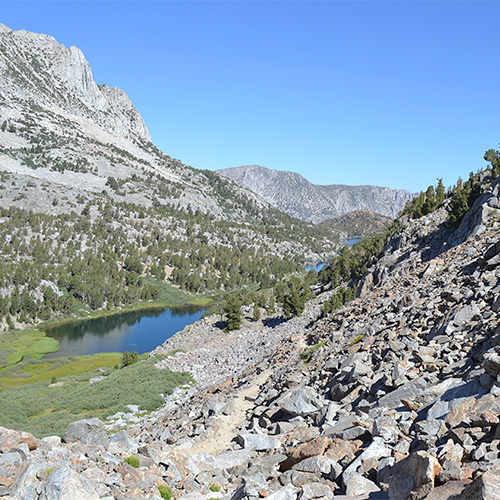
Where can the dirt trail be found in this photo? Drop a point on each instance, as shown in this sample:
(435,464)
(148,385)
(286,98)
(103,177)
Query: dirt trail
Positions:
(228,424)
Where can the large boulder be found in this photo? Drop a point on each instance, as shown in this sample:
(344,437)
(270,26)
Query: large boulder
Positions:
(413,477)
(87,431)
(66,484)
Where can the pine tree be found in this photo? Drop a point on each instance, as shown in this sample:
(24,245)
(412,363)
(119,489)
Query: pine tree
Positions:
(440,192)
(232,310)
(256,312)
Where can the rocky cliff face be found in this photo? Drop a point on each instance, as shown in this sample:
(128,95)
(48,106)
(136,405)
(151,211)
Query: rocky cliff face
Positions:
(59,128)
(399,397)
(36,70)
(293,194)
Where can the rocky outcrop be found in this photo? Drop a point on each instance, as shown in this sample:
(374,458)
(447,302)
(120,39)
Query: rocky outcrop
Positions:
(36,68)
(63,136)
(294,195)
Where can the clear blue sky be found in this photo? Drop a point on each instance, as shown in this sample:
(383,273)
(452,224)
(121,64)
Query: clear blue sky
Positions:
(388,93)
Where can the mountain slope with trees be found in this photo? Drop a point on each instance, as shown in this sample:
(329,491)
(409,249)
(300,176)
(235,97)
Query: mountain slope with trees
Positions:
(94,215)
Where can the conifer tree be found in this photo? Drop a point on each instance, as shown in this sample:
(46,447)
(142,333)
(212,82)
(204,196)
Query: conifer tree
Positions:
(232,310)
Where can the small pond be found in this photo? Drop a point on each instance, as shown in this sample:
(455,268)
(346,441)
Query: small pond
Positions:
(139,331)
(317,267)
(351,241)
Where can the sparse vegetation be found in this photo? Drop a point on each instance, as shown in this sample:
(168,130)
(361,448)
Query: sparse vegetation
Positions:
(165,491)
(33,407)
(132,461)
(306,355)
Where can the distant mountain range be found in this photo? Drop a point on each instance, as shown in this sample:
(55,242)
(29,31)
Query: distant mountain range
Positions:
(296,196)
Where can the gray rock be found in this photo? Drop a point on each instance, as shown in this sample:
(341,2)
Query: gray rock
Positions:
(27,486)
(491,364)
(258,442)
(485,487)
(87,431)
(289,492)
(66,484)
(110,459)
(466,314)
(301,402)
(52,440)
(358,485)
(410,390)
(347,428)
(376,450)
(316,490)
(386,428)
(413,478)
(324,465)
(121,442)
(228,459)
(12,458)
(195,495)
(453,397)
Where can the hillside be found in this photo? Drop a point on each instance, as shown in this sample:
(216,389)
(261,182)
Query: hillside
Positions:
(359,224)
(293,194)
(392,396)
(93,215)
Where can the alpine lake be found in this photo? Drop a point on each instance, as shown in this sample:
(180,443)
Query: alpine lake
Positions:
(140,331)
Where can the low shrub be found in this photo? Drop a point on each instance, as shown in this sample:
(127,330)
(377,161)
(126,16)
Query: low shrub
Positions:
(165,492)
(133,461)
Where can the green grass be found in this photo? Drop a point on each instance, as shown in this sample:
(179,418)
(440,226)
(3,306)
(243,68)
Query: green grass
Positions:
(307,353)
(44,410)
(30,371)
(14,346)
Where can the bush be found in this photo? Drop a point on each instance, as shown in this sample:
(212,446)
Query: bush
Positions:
(165,492)
(133,461)
(129,358)
(214,488)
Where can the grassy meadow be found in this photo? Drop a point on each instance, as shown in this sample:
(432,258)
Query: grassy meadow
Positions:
(46,409)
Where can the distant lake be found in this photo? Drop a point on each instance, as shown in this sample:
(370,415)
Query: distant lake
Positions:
(316,267)
(139,331)
(351,241)
(321,265)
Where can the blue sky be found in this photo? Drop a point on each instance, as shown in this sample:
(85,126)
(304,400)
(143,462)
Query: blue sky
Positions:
(393,93)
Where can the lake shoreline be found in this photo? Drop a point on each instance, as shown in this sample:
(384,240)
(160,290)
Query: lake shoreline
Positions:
(32,344)
(137,307)
(140,330)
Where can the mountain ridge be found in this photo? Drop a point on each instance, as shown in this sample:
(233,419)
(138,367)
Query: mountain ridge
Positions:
(295,195)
